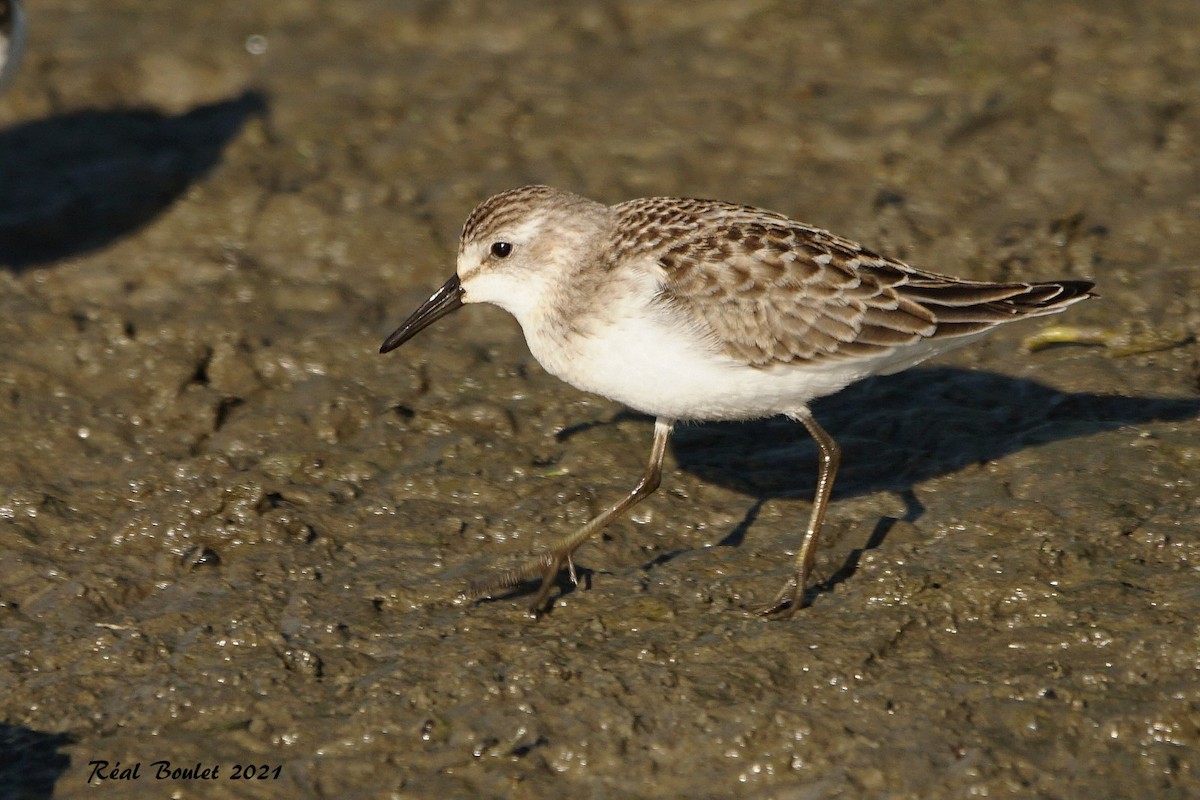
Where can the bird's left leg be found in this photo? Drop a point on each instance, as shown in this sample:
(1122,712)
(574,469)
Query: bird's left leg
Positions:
(549,563)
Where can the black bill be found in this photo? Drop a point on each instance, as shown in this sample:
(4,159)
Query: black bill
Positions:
(441,303)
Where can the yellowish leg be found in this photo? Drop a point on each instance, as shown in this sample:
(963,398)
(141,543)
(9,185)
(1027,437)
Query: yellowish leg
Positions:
(559,553)
(791,596)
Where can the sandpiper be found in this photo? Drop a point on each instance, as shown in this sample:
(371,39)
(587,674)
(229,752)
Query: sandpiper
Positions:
(701,310)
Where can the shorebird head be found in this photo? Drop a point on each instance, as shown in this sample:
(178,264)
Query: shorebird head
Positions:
(517,248)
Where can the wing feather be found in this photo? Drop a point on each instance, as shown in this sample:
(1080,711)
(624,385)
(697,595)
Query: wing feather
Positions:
(769,290)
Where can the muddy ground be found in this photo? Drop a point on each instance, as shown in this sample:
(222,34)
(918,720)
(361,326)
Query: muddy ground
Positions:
(232,533)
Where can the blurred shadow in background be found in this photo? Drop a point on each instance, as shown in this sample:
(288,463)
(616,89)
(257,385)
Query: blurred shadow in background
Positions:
(76,182)
(30,762)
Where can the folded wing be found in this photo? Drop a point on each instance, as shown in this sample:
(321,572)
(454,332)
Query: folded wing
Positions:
(769,290)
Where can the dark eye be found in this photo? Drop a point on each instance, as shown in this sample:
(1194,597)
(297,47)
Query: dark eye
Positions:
(501,249)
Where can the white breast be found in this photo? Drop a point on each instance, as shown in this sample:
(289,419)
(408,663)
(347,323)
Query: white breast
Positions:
(643,355)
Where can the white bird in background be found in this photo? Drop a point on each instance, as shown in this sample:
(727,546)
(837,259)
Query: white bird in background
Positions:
(12,39)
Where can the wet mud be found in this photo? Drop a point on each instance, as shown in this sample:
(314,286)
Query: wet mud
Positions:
(232,534)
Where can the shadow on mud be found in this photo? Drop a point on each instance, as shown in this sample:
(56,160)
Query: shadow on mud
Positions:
(76,182)
(899,430)
(895,432)
(30,762)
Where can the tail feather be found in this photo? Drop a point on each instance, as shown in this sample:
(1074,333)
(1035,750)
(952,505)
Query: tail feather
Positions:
(956,314)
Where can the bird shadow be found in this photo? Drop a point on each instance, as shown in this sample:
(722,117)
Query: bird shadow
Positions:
(75,182)
(30,761)
(895,432)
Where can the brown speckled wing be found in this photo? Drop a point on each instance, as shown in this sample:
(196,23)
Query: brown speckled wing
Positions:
(771,290)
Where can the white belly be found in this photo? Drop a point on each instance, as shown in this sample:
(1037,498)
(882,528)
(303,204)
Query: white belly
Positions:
(656,365)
